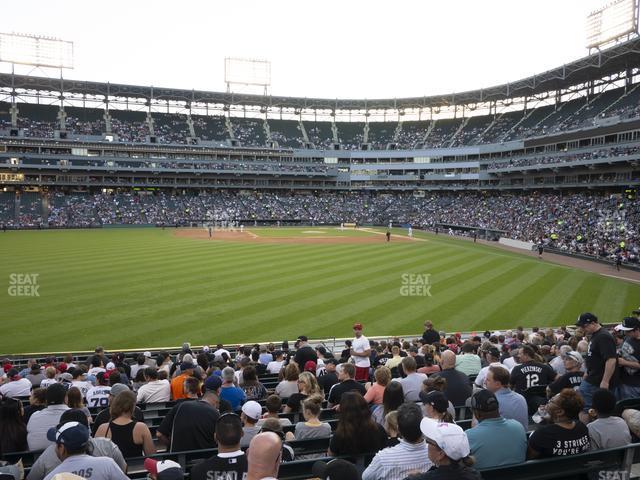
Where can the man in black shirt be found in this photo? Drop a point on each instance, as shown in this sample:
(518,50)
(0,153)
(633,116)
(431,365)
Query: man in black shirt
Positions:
(430,336)
(458,388)
(304,353)
(572,378)
(329,378)
(347,383)
(190,425)
(629,359)
(529,374)
(230,462)
(601,361)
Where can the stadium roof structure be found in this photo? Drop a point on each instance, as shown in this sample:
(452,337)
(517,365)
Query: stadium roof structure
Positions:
(620,58)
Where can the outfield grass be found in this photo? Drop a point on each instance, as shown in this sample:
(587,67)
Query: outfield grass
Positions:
(134,288)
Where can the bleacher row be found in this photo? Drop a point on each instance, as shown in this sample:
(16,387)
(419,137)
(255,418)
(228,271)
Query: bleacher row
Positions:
(42,121)
(588,465)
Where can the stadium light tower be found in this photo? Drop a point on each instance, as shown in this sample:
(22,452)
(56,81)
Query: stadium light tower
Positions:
(250,72)
(616,21)
(39,52)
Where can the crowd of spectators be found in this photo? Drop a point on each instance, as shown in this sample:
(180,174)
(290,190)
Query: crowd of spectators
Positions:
(563,158)
(529,394)
(589,223)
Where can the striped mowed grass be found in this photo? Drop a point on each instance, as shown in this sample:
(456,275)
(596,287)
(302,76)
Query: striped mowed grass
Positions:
(138,288)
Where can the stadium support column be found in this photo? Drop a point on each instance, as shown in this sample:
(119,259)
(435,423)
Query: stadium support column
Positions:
(334,132)
(229,126)
(62,124)
(305,137)
(45,209)
(193,139)
(267,132)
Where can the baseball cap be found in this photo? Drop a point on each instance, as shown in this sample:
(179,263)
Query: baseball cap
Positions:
(628,324)
(437,400)
(110,366)
(449,437)
(212,383)
(13,374)
(206,349)
(337,469)
(303,338)
(118,388)
(62,367)
(164,469)
(333,361)
(252,409)
(186,366)
(73,435)
(357,326)
(66,377)
(321,350)
(310,366)
(485,401)
(574,356)
(586,319)
(147,354)
(66,476)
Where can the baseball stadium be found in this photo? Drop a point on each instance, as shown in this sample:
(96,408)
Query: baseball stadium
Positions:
(223,232)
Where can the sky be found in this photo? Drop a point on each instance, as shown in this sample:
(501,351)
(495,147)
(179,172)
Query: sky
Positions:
(329,48)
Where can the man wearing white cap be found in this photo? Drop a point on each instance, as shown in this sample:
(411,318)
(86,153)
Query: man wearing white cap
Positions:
(629,358)
(448,451)
(251,413)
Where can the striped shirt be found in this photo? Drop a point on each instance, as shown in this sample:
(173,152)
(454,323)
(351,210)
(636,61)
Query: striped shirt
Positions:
(398,462)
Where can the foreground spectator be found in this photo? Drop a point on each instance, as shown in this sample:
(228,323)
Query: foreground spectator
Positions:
(163,469)
(97,447)
(251,413)
(409,456)
(133,438)
(329,378)
(347,384)
(16,385)
(312,427)
(13,432)
(190,425)
(356,433)
(230,461)
(468,363)
(392,398)
(289,384)
(436,406)
(458,388)
(511,404)
(375,390)
(40,422)
(263,458)
(335,469)
(273,404)
(494,441)
(565,435)
(105,415)
(601,361)
(530,373)
(629,358)
(307,386)
(412,383)
(448,448)
(72,439)
(606,431)
(229,391)
(361,353)
(155,390)
(572,376)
